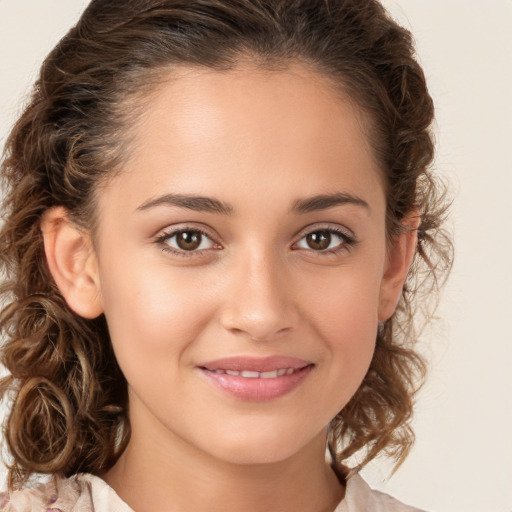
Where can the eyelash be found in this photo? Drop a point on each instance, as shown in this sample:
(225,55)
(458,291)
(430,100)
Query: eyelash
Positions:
(347,241)
(166,236)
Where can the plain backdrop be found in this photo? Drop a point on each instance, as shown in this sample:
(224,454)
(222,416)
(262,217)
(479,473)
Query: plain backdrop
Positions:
(462,458)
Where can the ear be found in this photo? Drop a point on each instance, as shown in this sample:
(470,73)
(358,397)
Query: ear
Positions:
(72,262)
(398,261)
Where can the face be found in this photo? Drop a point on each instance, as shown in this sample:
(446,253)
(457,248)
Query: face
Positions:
(241,262)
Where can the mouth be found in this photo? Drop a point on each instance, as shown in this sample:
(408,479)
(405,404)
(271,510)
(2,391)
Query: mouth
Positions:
(257,379)
(249,374)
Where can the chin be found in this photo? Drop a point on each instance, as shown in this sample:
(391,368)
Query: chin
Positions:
(264,446)
(257,455)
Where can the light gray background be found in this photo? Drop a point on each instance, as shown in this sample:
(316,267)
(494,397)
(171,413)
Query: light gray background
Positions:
(462,458)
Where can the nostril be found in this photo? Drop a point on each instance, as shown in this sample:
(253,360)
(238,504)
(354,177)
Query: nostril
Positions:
(259,339)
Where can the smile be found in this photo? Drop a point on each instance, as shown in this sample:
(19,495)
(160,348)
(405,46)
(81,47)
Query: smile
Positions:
(256,379)
(248,374)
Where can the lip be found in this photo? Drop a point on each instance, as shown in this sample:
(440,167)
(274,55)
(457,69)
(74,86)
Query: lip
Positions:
(291,372)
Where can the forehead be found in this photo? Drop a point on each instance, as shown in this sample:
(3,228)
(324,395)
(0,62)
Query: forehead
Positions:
(252,129)
(251,98)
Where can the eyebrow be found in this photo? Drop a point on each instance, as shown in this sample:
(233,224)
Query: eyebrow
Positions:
(196,203)
(211,205)
(325,201)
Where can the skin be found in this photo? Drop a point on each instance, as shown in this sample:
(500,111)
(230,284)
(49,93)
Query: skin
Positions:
(259,142)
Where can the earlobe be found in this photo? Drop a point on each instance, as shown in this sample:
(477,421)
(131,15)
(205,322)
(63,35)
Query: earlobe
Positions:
(72,262)
(398,262)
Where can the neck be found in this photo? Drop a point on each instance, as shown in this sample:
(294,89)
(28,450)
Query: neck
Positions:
(180,478)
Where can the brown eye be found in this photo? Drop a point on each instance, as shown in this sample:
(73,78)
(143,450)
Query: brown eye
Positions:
(325,240)
(189,240)
(319,240)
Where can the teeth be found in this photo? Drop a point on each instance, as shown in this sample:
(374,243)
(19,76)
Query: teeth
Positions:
(268,375)
(248,374)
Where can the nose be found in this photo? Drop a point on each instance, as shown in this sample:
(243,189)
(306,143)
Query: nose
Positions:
(259,303)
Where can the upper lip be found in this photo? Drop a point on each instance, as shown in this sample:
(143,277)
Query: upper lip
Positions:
(256,364)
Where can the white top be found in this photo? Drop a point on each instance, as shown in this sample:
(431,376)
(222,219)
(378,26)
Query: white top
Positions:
(88,493)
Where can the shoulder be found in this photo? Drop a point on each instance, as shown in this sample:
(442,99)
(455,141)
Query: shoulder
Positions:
(360,496)
(80,493)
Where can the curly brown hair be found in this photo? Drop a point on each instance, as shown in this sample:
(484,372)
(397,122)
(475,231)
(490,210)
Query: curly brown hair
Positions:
(69,397)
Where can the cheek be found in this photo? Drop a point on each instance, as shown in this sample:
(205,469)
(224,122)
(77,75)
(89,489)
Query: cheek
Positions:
(346,300)
(343,311)
(350,332)
(152,315)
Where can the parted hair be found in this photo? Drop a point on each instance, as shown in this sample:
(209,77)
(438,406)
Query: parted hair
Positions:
(67,395)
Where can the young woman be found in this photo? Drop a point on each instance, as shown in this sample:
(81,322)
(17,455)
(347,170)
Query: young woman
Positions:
(218,217)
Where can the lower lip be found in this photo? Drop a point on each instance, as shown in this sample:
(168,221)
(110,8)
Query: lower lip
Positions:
(257,390)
